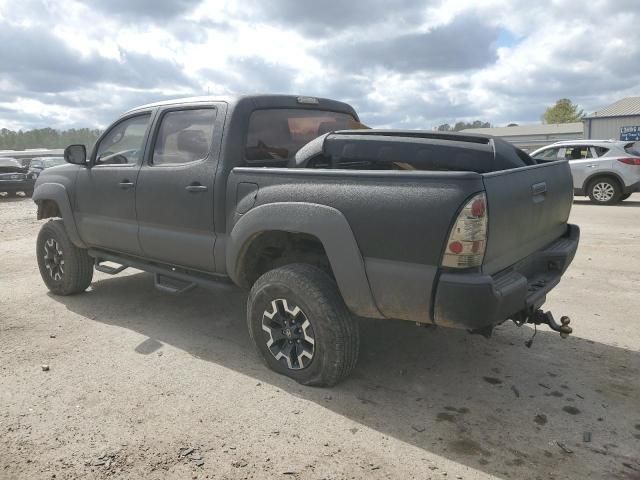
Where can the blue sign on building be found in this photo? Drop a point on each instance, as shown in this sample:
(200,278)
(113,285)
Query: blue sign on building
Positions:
(630,134)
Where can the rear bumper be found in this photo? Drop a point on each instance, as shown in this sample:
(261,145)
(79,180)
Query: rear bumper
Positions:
(633,188)
(475,300)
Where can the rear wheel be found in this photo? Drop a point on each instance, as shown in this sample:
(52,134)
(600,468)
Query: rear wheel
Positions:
(28,193)
(625,196)
(301,326)
(65,268)
(604,191)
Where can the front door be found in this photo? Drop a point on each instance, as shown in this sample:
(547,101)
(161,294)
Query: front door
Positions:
(174,199)
(105,209)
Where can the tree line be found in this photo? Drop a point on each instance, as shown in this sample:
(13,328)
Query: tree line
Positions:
(563,111)
(46,138)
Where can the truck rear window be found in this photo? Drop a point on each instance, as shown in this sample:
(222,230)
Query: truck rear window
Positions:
(275,135)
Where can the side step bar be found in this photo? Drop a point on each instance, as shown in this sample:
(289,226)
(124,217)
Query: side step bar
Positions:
(106,268)
(172,285)
(167,278)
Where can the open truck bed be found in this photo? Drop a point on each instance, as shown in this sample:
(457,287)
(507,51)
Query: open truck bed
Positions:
(401,192)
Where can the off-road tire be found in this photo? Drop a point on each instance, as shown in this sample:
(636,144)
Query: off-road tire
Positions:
(335,330)
(78,265)
(608,184)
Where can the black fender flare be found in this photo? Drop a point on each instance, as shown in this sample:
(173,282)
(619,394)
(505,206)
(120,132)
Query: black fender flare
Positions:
(606,173)
(325,223)
(56,192)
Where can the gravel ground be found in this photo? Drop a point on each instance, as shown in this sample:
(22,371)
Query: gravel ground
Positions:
(138,378)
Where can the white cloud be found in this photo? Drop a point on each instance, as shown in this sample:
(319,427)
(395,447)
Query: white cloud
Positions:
(404,63)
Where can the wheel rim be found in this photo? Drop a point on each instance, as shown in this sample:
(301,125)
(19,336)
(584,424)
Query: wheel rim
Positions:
(53,259)
(288,334)
(603,191)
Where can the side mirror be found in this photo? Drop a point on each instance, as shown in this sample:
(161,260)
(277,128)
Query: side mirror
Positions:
(76,154)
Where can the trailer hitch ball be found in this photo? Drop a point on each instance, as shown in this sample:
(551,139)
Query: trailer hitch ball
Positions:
(539,317)
(565,329)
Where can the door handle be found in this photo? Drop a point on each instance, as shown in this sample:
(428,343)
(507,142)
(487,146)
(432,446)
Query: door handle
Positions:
(196,187)
(126,184)
(539,189)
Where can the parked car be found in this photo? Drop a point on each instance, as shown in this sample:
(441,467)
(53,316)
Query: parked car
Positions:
(15,178)
(321,224)
(38,164)
(607,171)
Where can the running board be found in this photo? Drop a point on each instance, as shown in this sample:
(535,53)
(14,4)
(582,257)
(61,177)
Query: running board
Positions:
(172,285)
(106,268)
(167,278)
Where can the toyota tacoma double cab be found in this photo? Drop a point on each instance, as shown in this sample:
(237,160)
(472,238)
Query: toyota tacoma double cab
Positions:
(320,218)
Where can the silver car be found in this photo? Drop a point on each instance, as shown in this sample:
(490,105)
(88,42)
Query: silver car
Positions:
(607,171)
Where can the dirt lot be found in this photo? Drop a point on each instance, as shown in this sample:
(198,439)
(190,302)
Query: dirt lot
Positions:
(137,375)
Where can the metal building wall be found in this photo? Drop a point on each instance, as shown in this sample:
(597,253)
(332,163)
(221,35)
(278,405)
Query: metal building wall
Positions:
(608,128)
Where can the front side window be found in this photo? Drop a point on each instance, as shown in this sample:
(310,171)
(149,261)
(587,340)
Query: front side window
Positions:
(123,143)
(184,136)
(277,134)
(577,153)
(548,155)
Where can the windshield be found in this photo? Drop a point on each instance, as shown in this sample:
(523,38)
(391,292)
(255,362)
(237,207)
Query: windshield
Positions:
(52,162)
(277,134)
(633,149)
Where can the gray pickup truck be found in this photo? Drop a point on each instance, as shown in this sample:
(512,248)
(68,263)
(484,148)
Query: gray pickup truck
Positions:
(321,218)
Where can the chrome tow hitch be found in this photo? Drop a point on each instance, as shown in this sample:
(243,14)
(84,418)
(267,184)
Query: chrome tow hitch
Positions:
(538,317)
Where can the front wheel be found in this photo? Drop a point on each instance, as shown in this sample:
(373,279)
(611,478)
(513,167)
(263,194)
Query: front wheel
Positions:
(625,196)
(64,268)
(301,326)
(604,191)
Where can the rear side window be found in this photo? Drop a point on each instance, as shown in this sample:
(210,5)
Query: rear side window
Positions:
(600,151)
(184,136)
(577,153)
(275,135)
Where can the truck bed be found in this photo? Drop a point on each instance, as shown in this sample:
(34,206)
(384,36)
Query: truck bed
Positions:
(401,219)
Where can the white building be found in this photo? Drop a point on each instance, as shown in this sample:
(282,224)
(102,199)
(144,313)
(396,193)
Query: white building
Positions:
(530,137)
(618,121)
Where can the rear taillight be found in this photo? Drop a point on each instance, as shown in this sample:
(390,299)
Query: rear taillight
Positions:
(468,237)
(630,160)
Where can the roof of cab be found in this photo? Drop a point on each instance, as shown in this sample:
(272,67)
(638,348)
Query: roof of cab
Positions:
(235,99)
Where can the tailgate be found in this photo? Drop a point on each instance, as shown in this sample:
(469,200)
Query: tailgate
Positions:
(528,209)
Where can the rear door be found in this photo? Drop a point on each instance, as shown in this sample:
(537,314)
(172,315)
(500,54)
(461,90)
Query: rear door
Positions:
(528,208)
(582,163)
(174,199)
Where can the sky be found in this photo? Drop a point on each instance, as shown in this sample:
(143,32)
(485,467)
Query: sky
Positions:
(402,63)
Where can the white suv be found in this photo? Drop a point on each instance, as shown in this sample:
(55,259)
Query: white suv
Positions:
(607,171)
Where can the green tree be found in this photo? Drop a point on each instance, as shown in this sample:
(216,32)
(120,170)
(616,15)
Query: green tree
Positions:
(445,127)
(564,111)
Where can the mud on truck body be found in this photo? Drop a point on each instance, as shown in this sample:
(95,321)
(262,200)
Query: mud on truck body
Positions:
(322,220)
